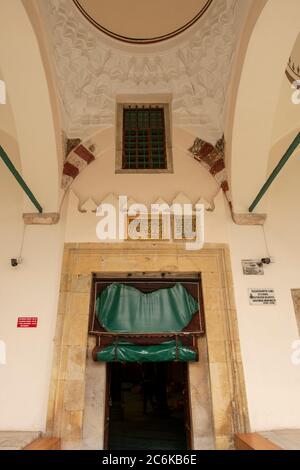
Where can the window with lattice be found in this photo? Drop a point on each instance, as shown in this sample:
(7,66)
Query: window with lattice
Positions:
(144,139)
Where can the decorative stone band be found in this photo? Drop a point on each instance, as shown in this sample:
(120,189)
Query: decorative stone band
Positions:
(212,159)
(77,160)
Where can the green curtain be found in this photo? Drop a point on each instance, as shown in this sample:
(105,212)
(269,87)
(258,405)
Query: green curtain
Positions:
(128,352)
(125,309)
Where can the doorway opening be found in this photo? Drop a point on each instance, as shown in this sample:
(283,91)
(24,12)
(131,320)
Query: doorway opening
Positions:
(147,406)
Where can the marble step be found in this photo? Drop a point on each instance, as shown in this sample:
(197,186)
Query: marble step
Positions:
(17,440)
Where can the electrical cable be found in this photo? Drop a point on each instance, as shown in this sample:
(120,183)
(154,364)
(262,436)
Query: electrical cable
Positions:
(22,242)
(266,242)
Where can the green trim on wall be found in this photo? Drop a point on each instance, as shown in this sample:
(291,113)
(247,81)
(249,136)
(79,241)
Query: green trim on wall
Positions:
(276,172)
(5,158)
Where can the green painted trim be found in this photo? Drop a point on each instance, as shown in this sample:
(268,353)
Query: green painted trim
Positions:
(19,179)
(276,171)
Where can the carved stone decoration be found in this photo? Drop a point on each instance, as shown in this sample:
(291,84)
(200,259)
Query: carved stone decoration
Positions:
(88,206)
(293,71)
(293,66)
(208,206)
(79,158)
(91,71)
(71,144)
(212,158)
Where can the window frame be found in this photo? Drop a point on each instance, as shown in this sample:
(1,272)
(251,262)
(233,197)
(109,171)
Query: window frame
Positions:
(119,139)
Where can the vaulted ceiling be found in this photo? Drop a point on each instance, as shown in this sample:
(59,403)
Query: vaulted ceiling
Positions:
(92,68)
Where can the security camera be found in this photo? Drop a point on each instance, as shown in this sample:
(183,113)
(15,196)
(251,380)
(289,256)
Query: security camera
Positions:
(15,262)
(266,260)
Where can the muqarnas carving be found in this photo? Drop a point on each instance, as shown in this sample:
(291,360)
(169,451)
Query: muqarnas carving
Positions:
(212,158)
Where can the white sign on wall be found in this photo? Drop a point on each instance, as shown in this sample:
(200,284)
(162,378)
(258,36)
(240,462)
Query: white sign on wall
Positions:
(262,296)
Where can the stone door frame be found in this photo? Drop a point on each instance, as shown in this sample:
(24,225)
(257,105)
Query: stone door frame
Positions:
(67,396)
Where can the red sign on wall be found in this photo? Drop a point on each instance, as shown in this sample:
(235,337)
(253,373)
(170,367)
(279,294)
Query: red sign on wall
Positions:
(27,322)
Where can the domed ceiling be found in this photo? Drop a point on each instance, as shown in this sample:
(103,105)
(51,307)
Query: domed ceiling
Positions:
(193,68)
(146,21)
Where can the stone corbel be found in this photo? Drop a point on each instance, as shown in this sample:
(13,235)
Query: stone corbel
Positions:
(32,218)
(249,219)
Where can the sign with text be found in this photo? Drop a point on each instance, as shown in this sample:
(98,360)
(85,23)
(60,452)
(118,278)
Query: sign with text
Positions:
(27,322)
(252,267)
(262,297)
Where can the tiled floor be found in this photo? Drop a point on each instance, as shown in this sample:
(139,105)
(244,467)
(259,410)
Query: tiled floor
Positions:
(16,440)
(287,439)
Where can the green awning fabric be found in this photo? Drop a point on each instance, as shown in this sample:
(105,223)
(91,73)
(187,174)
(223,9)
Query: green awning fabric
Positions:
(128,352)
(125,309)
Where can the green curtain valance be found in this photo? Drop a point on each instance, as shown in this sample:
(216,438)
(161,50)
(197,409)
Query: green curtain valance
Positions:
(125,309)
(128,352)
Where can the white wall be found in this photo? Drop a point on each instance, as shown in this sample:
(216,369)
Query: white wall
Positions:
(189,177)
(259,90)
(28,290)
(99,181)
(24,74)
(27,135)
(267,333)
(287,117)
